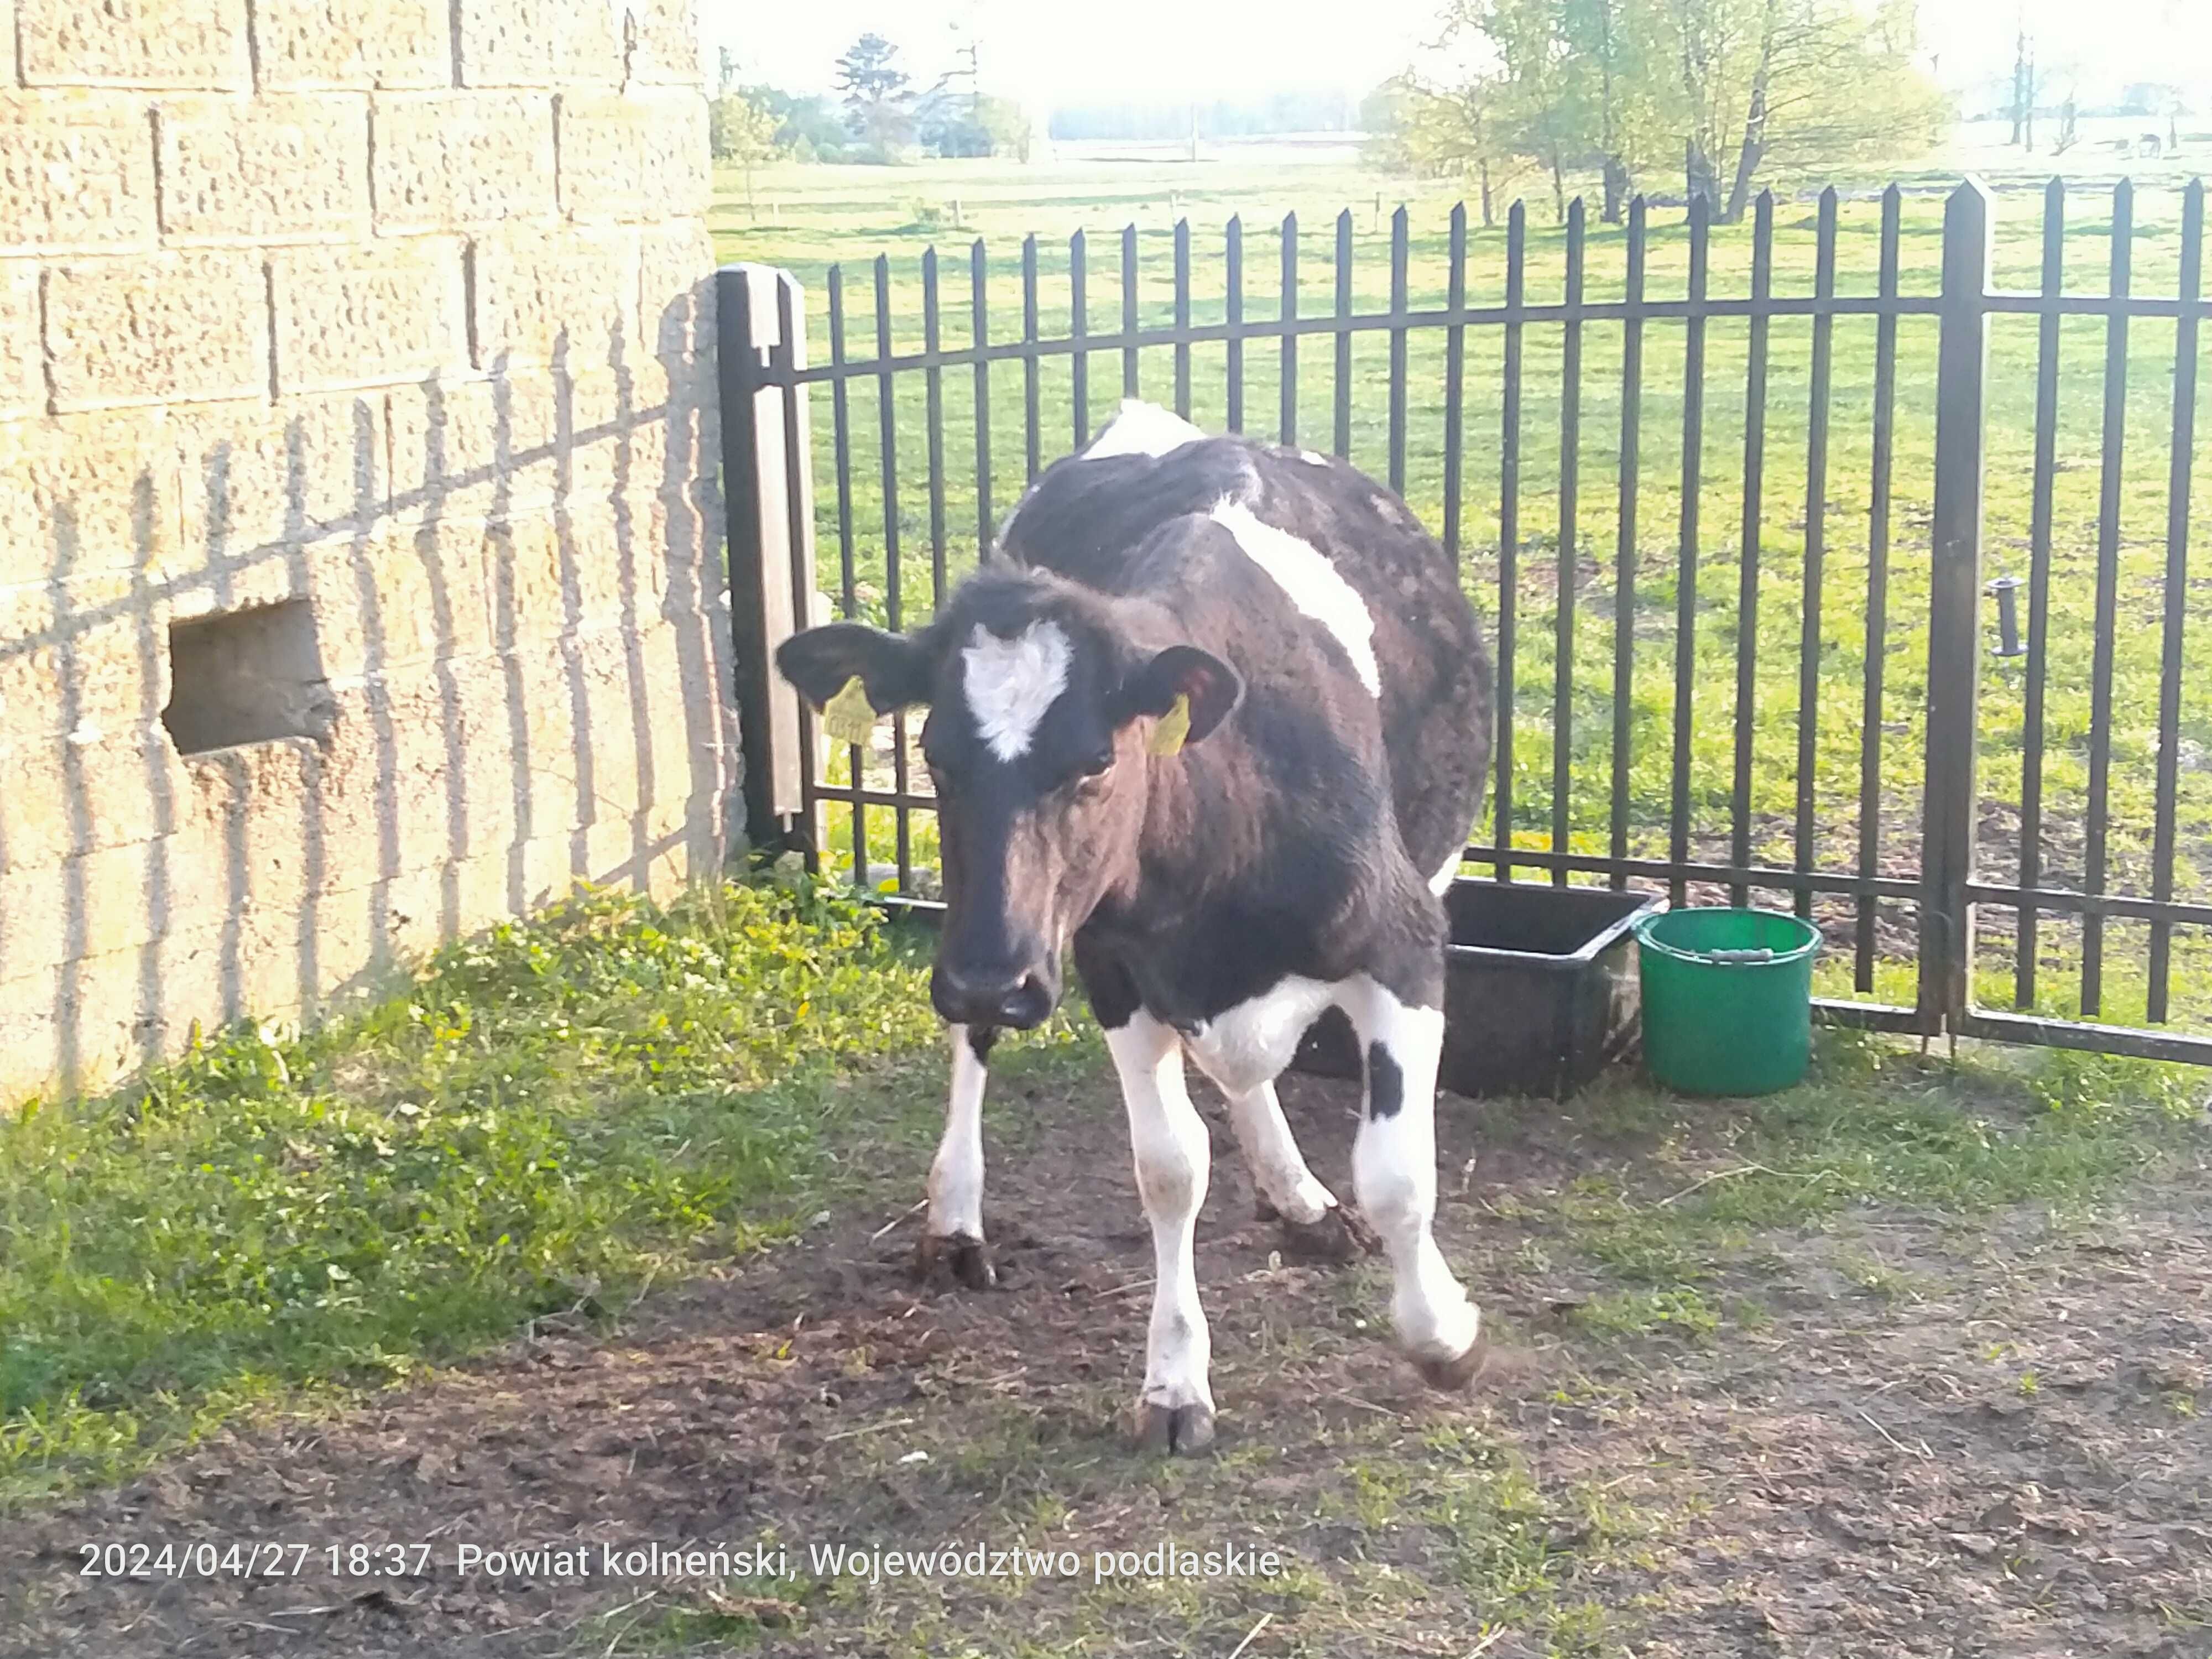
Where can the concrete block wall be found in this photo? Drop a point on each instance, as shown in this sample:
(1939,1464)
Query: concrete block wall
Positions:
(396,314)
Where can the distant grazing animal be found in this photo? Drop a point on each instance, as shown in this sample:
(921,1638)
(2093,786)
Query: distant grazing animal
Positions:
(2150,145)
(1217,715)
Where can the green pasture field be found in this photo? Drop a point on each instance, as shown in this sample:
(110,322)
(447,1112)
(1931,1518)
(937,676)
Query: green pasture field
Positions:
(812,219)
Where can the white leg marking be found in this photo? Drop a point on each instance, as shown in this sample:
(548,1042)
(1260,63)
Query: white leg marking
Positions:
(1169,1142)
(1440,884)
(1316,587)
(1010,684)
(1393,1168)
(956,1176)
(1142,428)
(1271,1153)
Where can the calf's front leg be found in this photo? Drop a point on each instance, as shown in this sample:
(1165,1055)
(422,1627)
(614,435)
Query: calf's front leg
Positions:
(952,1236)
(1168,1139)
(1393,1168)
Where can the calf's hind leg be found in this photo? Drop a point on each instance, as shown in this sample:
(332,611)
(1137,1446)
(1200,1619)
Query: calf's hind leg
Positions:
(1314,1223)
(1393,1167)
(952,1235)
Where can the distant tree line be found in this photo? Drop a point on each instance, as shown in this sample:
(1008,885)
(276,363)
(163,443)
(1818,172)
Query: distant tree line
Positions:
(1723,96)
(879,115)
(1306,109)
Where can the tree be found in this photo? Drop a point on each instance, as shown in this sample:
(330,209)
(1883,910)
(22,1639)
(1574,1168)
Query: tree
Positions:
(959,124)
(1793,87)
(808,129)
(1620,42)
(1840,88)
(1544,99)
(1441,131)
(1007,125)
(740,128)
(1740,90)
(878,95)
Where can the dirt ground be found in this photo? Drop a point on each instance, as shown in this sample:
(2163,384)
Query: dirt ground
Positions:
(1906,1433)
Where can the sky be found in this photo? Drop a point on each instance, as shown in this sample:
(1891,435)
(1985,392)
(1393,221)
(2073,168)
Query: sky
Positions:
(1048,52)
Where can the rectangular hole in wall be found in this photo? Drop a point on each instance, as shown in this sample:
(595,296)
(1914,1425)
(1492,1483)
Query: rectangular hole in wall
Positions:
(246,677)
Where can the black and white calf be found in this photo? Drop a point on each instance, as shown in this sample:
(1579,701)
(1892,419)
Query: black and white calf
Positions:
(1220,886)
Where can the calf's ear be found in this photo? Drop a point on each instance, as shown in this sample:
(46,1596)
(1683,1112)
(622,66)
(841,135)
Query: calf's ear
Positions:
(891,668)
(1211,685)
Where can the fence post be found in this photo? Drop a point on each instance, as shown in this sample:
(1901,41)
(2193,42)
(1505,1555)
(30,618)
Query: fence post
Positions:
(768,487)
(1946,856)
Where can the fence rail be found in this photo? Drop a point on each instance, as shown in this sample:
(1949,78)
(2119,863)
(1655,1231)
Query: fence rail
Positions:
(1727,642)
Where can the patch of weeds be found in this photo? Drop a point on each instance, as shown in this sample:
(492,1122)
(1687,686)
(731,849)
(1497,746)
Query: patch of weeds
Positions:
(549,1118)
(1746,1313)
(2092,1091)
(1510,1550)
(732,1617)
(1530,1257)
(1378,1491)
(1876,1277)
(1681,1312)
(1701,1181)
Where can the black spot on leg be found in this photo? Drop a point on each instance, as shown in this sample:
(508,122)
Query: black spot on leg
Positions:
(979,1039)
(1386,1083)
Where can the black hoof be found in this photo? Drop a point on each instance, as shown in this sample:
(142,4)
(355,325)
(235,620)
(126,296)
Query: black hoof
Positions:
(1450,1375)
(1174,1431)
(1337,1235)
(966,1260)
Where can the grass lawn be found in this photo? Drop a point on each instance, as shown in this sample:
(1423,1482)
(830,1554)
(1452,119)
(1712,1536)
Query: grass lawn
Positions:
(555,1117)
(808,218)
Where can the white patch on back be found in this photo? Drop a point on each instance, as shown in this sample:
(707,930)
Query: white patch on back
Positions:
(1314,585)
(1142,428)
(1010,682)
(1313,457)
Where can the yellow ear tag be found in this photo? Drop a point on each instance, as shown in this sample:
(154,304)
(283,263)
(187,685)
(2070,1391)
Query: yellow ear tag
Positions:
(849,717)
(1175,725)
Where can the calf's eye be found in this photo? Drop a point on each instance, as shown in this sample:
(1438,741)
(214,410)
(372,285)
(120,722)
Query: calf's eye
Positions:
(1098,765)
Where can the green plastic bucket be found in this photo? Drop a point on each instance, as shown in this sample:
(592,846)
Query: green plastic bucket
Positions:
(1727,998)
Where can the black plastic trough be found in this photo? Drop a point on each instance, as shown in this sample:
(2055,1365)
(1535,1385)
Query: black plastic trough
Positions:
(1539,990)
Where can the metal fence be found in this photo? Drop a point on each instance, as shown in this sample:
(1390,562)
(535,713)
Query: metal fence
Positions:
(1911,816)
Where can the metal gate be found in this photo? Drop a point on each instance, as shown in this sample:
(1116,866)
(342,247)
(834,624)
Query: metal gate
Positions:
(1606,768)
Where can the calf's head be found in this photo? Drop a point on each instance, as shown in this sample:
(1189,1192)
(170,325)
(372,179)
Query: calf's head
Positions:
(1044,703)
